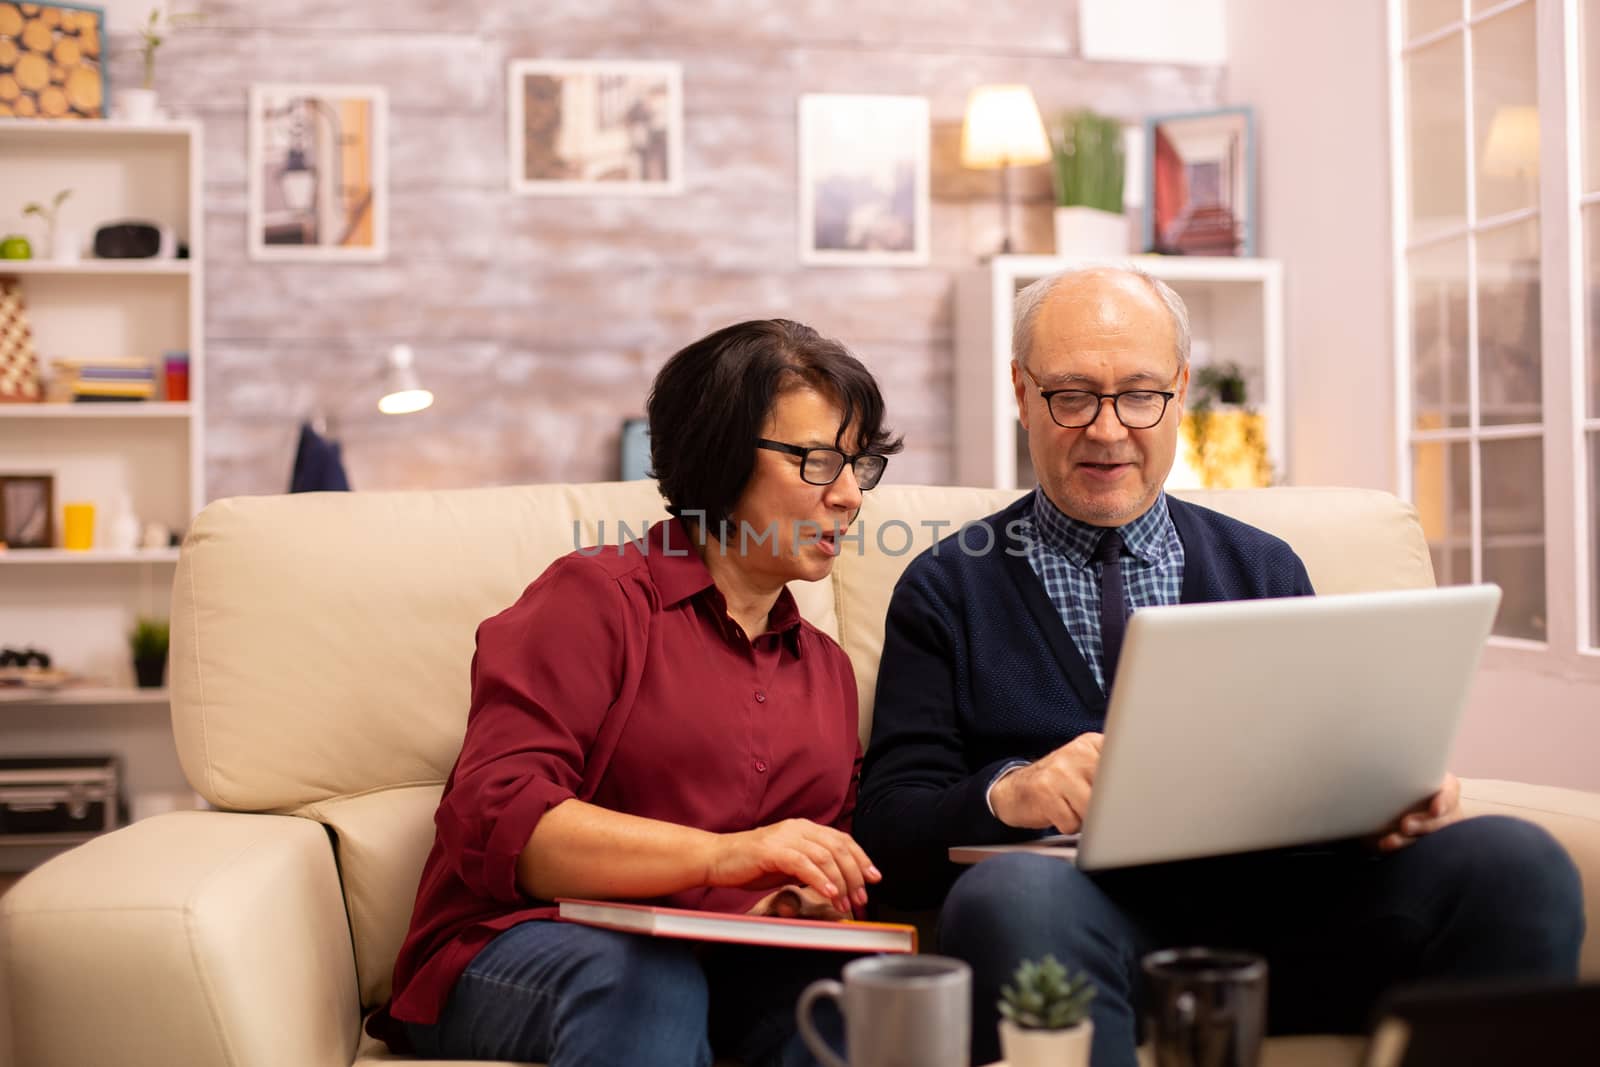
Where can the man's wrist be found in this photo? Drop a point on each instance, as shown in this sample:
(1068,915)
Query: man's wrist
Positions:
(1005,772)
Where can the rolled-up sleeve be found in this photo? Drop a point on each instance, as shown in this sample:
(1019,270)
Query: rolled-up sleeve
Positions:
(546,674)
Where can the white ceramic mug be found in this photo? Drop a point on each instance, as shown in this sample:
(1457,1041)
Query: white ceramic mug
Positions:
(899,1011)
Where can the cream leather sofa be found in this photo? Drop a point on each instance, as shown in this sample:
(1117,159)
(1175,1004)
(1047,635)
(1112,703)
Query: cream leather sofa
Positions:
(319,677)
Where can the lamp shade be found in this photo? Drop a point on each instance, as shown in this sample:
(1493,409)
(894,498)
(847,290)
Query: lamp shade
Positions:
(402,392)
(1003,127)
(1512,148)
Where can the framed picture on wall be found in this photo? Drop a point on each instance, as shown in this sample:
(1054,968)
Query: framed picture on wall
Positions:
(52,61)
(863,180)
(319,181)
(595,127)
(27,510)
(1200,197)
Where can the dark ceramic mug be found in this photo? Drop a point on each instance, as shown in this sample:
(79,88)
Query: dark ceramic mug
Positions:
(1207,1007)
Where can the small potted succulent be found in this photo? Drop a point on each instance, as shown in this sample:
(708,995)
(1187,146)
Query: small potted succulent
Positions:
(149,643)
(1045,1016)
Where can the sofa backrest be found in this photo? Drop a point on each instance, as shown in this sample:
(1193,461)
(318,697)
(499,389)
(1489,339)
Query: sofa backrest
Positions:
(321,642)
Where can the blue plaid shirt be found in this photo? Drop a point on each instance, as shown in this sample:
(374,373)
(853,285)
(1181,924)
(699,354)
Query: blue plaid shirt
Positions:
(1061,550)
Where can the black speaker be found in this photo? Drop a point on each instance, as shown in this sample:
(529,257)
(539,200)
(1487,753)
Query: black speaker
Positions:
(127,240)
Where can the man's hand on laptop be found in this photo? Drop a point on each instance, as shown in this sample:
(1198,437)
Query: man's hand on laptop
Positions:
(1438,811)
(1052,791)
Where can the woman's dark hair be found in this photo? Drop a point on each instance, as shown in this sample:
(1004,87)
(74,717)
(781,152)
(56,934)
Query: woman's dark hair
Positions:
(711,399)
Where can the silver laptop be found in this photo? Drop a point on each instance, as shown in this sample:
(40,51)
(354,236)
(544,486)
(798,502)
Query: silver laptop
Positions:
(1261,724)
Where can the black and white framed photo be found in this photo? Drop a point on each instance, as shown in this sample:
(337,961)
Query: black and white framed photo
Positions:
(319,179)
(27,510)
(595,127)
(863,180)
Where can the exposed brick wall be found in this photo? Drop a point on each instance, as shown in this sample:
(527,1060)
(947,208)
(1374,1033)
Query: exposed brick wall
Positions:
(538,323)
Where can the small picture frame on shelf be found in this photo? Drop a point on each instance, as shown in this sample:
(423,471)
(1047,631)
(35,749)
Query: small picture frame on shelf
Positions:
(595,127)
(864,165)
(52,61)
(27,510)
(1200,196)
(319,173)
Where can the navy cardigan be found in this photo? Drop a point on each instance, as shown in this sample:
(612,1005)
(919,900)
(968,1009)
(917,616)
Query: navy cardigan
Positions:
(979,670)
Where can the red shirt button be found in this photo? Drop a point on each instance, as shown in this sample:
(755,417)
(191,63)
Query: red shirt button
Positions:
(761,698)
(761,765)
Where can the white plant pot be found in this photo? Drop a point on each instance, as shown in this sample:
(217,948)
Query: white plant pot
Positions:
(66,245)
(137,105)
(1046,1048)
(1087,231)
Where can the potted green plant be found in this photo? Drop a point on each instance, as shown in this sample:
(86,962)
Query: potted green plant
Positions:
(1088,172)
(1045,1016)
(63,243)
(1226,437)
(149,642)
(140,105)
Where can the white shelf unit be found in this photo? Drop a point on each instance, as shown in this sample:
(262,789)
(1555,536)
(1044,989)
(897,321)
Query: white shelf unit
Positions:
(1235,316)
(80,606)
(95,696)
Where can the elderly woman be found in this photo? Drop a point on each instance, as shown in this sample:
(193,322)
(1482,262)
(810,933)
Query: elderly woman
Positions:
(656,722)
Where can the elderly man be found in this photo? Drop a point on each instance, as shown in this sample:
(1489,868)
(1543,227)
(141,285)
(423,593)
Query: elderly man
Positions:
(992,695)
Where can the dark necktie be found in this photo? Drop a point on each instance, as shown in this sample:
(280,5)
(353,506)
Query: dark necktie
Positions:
(1113,609)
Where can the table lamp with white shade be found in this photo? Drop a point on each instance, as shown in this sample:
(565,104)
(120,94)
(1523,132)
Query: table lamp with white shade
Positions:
(1003,129)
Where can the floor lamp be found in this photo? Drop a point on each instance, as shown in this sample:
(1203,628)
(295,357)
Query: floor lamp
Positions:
(1003,129)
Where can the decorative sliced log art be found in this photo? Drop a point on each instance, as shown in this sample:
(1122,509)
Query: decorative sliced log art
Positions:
(51,61)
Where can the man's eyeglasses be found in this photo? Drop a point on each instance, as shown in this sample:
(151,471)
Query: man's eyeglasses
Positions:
(1073,409)
(820,466)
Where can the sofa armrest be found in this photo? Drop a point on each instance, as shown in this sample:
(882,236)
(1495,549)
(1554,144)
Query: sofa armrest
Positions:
(1572,817)
(200,938)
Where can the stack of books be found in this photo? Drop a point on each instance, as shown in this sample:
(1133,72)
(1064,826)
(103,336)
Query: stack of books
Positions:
(91,380)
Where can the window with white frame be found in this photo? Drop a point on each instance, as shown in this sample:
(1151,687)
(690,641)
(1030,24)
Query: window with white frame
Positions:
(1491,326)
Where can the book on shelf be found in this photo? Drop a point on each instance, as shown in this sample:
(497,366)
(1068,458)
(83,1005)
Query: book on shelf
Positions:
(848,936)
(102,378)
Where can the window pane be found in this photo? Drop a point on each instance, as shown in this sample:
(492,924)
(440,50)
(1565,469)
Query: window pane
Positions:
(1513,533)
(1425,16)
(1439,394)
(1589,73)
(1436,123)
(1591,302)
(1509,360)
(1505,101)
(1442,480)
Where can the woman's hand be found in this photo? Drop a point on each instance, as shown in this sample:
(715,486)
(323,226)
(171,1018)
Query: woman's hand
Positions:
(795,850)
(798,902)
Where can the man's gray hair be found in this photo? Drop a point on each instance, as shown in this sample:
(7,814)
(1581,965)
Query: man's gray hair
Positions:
(1026,309)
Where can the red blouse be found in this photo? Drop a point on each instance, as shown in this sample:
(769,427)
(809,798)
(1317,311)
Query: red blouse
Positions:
(618,678)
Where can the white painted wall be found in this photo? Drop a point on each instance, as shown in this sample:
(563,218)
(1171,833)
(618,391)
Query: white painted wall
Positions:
(1154,31)
(1317,75)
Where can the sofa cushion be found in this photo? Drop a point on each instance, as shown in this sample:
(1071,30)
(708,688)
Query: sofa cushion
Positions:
(321,642)
(1352,540)
(381,840)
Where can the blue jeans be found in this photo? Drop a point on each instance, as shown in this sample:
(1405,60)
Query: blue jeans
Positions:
(1485,898)
(578,996)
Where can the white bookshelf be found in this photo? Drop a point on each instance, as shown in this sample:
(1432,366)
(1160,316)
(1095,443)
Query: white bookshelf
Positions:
(80,606)
(99,268)
(148,410)
(1235,315)
(22,557)
(88,696)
